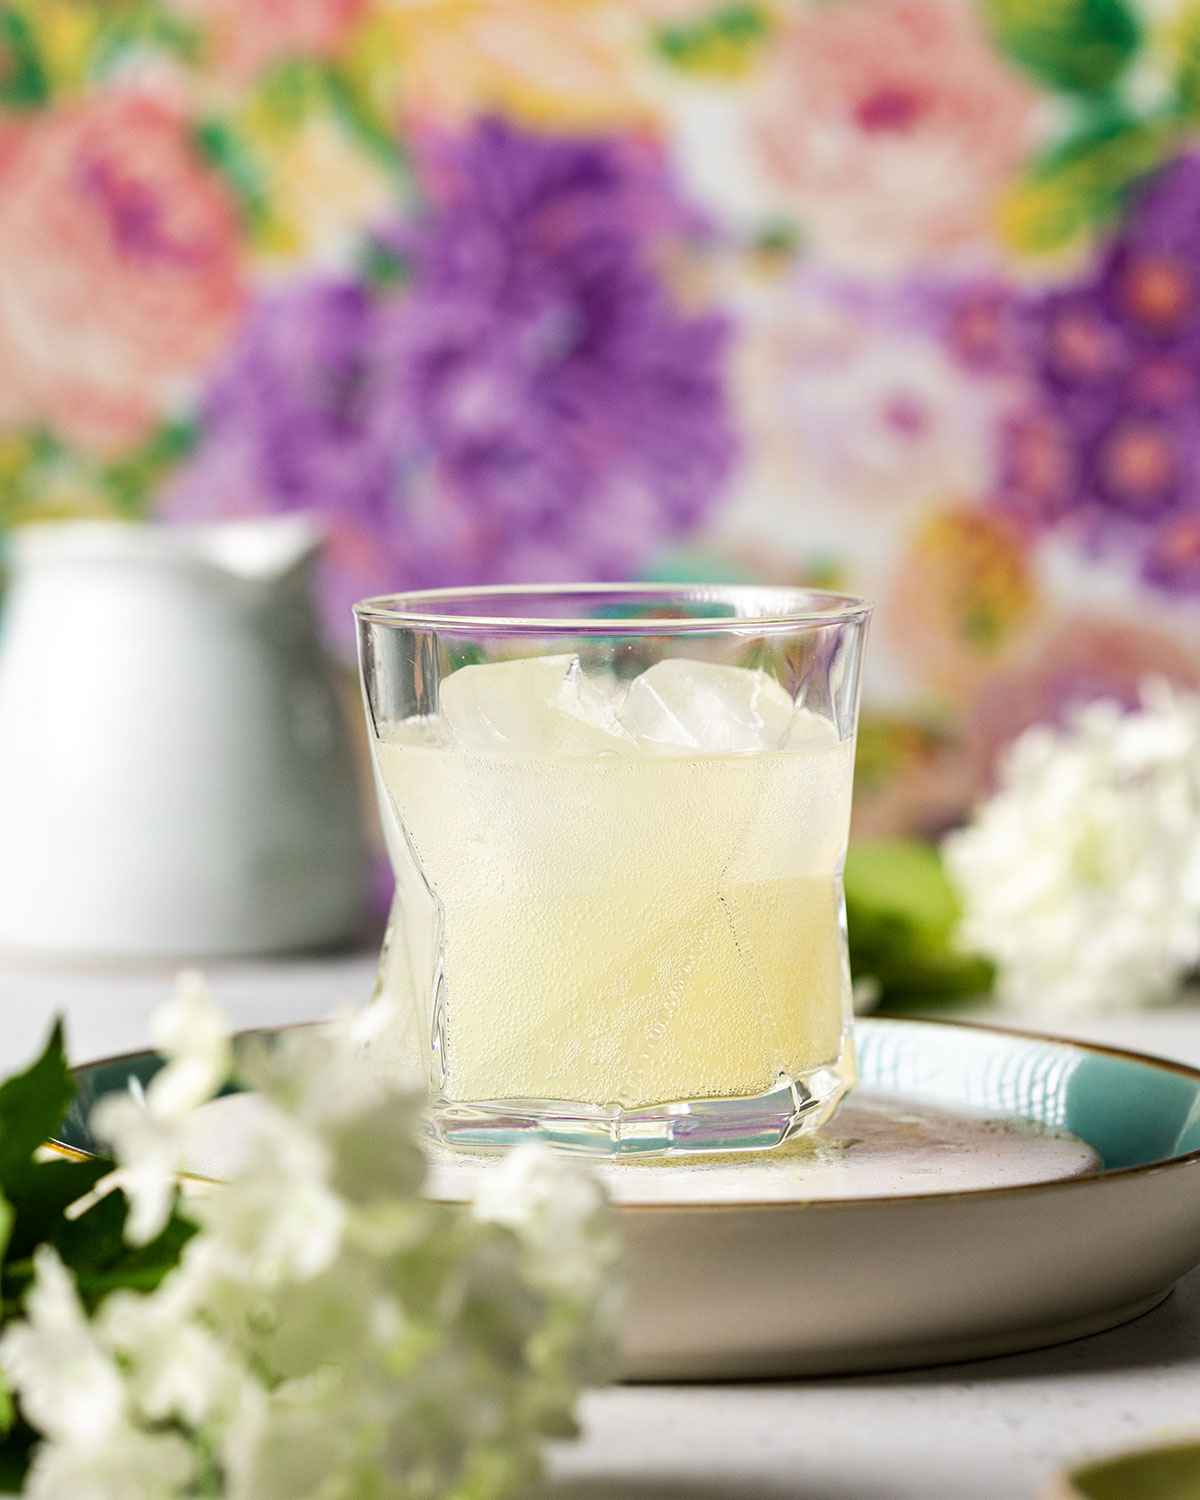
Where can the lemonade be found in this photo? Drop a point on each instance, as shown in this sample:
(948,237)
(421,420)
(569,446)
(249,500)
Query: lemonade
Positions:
(618,894)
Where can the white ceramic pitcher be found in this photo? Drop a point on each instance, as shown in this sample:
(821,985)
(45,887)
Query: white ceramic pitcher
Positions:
(175,778)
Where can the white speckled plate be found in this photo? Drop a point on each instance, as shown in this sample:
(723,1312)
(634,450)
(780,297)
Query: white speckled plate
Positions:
(983,1192)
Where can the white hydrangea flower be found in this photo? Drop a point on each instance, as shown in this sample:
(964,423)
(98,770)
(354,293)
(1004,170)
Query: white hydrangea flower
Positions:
(71,1387)
(193,1035)
(154,1152)
(149,1132)
(1080,877)
(176,1366)
(325,1077)
(278,1219)
(287,1448)
(321,1072)
(73,1390)
(133,1464)
(328,1332)
(559,1210)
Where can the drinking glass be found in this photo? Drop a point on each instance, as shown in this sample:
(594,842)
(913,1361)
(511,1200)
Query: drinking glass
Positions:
(618,819)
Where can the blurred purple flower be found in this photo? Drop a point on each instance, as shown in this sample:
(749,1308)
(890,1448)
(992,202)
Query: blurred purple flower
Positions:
(1173,558)
(1037,480)
(1079,352)
(1151,275)
(1113,432)
(526,402)
(978,321)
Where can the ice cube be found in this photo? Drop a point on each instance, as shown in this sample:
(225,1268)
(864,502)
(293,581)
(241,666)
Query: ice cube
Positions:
(429,731)
(696,705)
(809,731)
(540,703)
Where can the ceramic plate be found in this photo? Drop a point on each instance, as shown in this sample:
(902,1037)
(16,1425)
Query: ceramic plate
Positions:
(983,1192)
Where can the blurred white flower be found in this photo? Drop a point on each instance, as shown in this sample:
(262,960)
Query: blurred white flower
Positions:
(149,1132)
(288,1447)
(1080,877)
(278,1219)
(559,1211)
(70,1385)
(327,1076)
(328,1331)
(175,1366)
(193,1037)
(154,1150)
(133,1464)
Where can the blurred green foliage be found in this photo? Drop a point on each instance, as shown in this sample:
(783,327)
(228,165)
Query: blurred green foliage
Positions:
(1079,46)
(903,914)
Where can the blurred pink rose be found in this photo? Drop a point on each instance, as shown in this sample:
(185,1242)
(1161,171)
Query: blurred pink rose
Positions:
(247,35)
(121,273)
(891,125)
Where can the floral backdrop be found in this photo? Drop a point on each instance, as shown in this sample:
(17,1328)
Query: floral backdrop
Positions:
(896,295)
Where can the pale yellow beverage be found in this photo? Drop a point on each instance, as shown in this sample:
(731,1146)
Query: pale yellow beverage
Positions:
(624,923)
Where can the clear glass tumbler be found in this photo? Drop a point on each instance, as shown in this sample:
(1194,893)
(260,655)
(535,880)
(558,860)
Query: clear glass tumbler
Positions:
(618,818)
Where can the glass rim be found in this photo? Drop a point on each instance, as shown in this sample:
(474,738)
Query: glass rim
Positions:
(779,608)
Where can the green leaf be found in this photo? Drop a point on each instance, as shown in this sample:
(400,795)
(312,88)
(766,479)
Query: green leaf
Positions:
(132,481)
(97,1237)
(7,1217)
(138,25)
(740,22)
(8,1411)
(1084,180)
(1166,1473)
(290,91)
(32,1106)
(23,82)
(719,43)
(225,150)
(161,1253)
(135,1275)
(359,120)
(15,1452)
(904,880)
(903,914)
(91,1244)
(94,1246)
(40,1194)
(1109,149)
(296,87)
(1078,46)
(1185,45)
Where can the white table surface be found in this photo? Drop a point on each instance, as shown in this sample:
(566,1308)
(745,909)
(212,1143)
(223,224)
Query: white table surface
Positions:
(994,1430)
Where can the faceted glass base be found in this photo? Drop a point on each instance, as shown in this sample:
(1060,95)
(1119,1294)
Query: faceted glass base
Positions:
(796,1105)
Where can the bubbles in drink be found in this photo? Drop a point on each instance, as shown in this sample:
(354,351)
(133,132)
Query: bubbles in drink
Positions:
(631,892)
